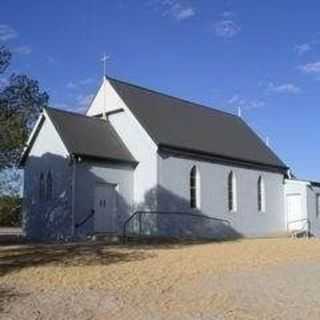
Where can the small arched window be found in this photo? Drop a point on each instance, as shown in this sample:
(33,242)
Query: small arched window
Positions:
(41,187)
(194,188)
(49,186)
(261,195)
(232,192)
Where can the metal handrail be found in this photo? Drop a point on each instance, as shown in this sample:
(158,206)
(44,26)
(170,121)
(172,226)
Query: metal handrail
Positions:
(306,224)
(190,214)
(77,225)
(307,220)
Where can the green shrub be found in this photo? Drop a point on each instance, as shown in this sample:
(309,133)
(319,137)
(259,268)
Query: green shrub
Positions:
(10,211)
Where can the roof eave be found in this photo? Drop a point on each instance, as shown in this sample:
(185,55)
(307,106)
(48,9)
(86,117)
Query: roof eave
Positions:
(219,158)
(31,140)
(133,163)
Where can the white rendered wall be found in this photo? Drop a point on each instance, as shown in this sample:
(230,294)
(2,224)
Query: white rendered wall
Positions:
(47,152)
(309,202)
(144,151)
(48,140)
(294,187)
(312,193)
(134,137)
(88,175)
(47,219)
(174,184)
(105,100)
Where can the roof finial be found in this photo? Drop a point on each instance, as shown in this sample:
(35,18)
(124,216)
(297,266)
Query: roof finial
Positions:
(104,59)
(239,112)
(267,141)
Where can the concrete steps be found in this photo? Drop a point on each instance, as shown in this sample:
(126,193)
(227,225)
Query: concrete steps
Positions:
(10,235)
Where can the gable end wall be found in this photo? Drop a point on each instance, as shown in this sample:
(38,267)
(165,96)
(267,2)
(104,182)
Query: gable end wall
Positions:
(47,219)
(136,139)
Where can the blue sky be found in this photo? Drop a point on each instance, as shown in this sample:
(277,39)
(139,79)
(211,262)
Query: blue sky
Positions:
(261,55)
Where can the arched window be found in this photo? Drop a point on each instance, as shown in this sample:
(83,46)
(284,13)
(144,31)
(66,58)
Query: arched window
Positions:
(49,186)
(232,192)
(194,188)
(41,187)
(261,195)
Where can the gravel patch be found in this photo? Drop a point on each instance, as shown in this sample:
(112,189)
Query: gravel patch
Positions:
(247,279)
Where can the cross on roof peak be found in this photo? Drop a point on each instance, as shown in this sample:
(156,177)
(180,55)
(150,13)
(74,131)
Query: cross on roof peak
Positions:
(104,59)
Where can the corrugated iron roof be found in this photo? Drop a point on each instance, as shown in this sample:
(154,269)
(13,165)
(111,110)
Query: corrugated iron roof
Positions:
(178,123)
(88,136)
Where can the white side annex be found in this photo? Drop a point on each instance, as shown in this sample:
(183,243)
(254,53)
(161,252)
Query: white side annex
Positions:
(86,175)
(302,210)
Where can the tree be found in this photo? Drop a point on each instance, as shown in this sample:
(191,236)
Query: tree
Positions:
(21,101)
(10,211)
(5,57)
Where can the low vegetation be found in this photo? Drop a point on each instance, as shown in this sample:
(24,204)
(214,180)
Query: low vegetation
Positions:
(10,211)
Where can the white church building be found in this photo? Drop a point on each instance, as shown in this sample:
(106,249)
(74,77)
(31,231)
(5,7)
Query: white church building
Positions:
(146,163)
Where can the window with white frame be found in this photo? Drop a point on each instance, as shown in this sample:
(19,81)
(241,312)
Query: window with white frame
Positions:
(194,188)
(232,192)
(318,205)
(261,195)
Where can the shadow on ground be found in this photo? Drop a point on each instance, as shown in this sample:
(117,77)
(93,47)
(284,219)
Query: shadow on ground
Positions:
(154,243)
(8,296)
(16,257)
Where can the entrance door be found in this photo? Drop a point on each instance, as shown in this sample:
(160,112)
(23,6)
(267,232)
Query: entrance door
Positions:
(294,212)
(105,207)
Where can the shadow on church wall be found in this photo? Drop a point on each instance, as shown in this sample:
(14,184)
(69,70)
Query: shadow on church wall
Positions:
(47,219)
(52,219)
(182,222)
(119,175)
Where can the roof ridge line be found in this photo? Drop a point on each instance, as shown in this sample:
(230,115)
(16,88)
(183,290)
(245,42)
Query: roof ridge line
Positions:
(173,97)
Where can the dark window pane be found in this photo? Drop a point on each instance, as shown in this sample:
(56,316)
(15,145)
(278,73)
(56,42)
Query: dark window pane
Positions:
(230,191)
(41,187)
(49,186)
(193,187)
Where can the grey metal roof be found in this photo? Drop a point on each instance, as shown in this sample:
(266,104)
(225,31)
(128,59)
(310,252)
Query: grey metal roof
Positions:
(87,136)
(177,123)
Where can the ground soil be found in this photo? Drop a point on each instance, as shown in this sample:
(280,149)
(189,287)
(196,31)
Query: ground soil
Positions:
(243,279)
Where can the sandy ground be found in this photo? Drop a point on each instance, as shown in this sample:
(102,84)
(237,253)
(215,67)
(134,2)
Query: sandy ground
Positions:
(245,279)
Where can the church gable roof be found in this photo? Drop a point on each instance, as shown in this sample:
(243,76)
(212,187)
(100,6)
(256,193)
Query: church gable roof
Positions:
(177,123)
(89,137)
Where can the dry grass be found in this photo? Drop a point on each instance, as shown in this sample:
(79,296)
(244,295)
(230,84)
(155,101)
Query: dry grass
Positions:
(246,279)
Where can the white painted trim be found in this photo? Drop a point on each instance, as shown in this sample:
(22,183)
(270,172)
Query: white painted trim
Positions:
(198,186)
(234,189)
(31,136)
(235,192)
(304,182)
